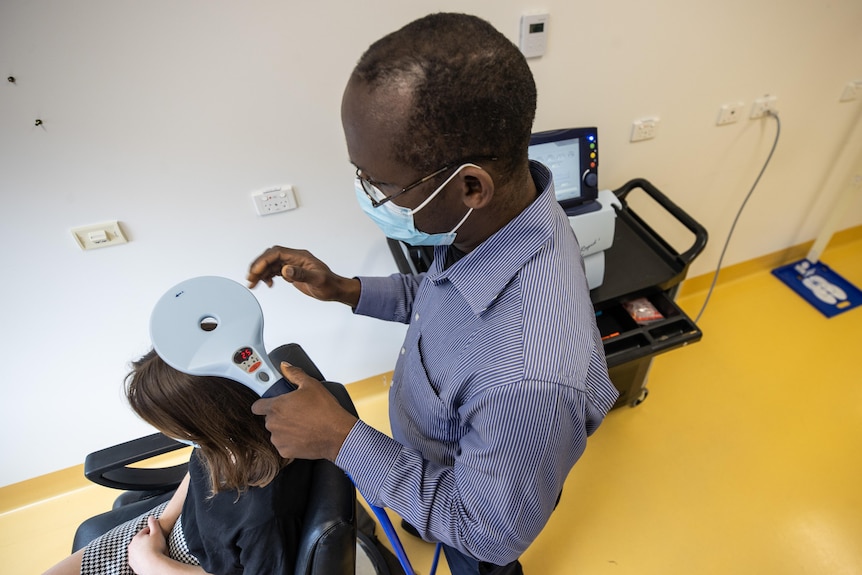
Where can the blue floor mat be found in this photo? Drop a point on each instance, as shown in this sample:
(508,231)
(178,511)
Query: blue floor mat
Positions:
(827,291)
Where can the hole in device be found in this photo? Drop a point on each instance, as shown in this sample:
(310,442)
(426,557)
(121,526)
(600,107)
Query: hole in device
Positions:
(209,323)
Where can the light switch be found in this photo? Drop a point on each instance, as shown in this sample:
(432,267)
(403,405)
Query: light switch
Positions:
(99,235)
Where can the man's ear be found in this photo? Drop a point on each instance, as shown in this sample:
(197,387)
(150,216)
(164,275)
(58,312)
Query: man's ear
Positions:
(478,187)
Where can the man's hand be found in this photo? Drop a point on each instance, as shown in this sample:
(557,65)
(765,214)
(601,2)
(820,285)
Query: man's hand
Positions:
(307,423)
(307,273)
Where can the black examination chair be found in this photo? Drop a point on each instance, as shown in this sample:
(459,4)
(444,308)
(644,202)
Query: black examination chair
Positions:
(329,542)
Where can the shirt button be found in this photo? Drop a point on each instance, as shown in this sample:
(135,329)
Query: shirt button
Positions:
(416,317)
(403,351)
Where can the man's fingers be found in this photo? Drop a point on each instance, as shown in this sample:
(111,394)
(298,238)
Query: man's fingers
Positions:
(257,268)
(295,375)
(312,277)
(265,266)
(262,406)
(292,274)
(295,273)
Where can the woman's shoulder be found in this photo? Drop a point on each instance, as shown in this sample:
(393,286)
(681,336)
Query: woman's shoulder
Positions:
(285,494)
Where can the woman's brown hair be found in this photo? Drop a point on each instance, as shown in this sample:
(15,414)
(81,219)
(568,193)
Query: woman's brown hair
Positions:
(214,413)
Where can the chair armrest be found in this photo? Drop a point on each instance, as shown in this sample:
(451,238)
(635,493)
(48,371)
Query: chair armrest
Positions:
(109,467)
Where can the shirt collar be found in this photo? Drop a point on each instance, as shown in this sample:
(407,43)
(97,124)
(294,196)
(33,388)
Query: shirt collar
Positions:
(482,274)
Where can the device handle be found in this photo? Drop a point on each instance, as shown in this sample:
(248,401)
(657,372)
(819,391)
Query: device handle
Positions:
(700,233)
(280,387)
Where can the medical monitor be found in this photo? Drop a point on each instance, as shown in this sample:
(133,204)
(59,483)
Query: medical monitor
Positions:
(572,155)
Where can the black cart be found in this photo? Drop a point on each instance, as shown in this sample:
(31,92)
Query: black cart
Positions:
(639,265)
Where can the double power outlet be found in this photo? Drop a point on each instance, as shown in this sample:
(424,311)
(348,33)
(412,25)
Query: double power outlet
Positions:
(646,128)
(274,200)
(730,113)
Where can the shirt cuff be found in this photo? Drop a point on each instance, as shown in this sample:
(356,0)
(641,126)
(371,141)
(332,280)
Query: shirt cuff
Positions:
(374,297)
(366,456)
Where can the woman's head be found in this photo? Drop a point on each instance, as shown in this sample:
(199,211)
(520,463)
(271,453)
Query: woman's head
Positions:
(214,413)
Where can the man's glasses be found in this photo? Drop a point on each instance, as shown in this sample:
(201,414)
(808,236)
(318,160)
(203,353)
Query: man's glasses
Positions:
(378,198)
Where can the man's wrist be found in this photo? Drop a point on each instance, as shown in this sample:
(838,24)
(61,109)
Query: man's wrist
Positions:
(351,288)
(344,429)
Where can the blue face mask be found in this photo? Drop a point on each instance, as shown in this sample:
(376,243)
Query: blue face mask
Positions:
(396,222)
(187,442)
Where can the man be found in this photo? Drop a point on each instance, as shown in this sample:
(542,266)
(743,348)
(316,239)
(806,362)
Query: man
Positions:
(502,374)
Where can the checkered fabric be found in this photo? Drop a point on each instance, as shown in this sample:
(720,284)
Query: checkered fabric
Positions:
(108,554)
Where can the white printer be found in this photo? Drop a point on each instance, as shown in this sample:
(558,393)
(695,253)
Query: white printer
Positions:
(572,155)
(595,233)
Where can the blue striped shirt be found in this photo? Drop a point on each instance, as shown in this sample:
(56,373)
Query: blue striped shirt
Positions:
(501,378)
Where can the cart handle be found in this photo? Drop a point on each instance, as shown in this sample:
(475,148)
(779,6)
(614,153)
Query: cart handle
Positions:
(700,233)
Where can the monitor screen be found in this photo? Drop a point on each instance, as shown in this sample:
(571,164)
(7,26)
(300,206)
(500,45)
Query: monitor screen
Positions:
(564,160)
(572,156)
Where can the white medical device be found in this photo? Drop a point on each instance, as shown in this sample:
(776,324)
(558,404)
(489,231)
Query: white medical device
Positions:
(213,326)
(572,155)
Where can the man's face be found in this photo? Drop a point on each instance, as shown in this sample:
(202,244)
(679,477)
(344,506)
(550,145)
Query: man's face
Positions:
(371,122)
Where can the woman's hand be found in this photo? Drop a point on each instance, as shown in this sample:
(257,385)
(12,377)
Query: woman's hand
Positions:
(148,554)
(148,549)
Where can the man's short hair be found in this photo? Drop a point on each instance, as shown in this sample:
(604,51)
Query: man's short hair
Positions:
(474,93)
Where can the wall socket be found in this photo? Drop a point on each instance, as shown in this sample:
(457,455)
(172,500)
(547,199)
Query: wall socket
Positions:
(644,129)
(852,90)
(763,105)
(274,200)
(730,113)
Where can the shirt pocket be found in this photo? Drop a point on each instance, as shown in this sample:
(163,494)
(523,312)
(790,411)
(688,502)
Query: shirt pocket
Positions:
(420,409)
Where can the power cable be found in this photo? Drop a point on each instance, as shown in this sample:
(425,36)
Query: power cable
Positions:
(739,213)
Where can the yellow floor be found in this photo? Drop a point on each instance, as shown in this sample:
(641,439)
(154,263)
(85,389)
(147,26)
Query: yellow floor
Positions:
(745,459)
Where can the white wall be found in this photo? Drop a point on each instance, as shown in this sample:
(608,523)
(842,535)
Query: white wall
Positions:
(168,115)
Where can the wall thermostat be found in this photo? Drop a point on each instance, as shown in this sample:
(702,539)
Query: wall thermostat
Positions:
(534,34)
